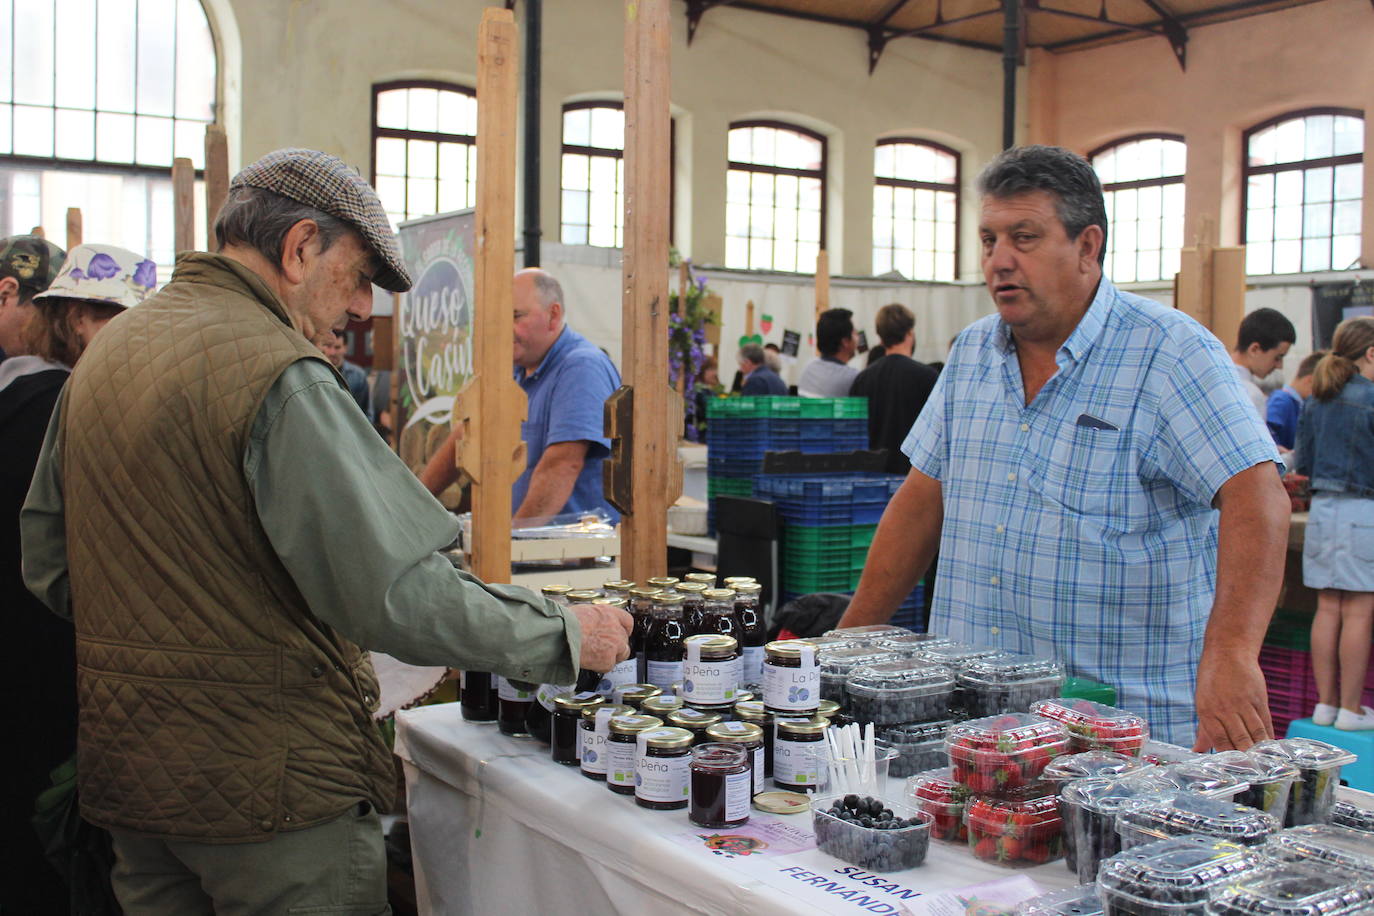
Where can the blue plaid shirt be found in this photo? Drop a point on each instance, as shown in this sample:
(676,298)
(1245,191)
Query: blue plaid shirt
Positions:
(1081,526)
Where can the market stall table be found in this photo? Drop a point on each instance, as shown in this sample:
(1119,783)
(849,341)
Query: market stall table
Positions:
(496,826)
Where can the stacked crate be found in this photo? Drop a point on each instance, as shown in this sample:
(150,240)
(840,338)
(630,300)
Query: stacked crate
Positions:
(1286,659)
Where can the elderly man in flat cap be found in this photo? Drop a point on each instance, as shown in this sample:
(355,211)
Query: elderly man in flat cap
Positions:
(229,534)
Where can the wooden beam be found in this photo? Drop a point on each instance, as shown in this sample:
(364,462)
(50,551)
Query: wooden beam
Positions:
(655,409)
(216,178)
(1228,293)
(822,282)
(184,205)
(491,406)
(73,227)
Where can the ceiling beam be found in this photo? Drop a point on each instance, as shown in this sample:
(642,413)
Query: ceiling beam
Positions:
(878,37)
(1173,30)
(695,10)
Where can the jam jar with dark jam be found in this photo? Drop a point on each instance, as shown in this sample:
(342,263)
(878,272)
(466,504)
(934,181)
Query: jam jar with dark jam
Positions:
(662,758)
(626,672)
(663,650)
(711,671)
(663,583)
(592,733)
(755,631)
(693,606)
(721,785)
(617,588)
(746,735)
(513,704)
(477,697)
(705,578)
(662,706)
(791,678)
(752,711)
(539,714)
(641,608)
(719,616)
(621,749)
(634,695)
(558,594)
(695,721)
(795,747)
(568,709)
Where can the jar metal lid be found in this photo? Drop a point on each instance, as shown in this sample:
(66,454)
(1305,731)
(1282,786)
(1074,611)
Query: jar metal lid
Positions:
(716,756)
(667,599)
(812,726)
(708,578)
(610,602)
(719,594)
(663,581)
(782,802)
(752,709)
(640,692)
(732,581)
(668,738)
(662,705)
(787,648)
(589,712)
(693,718)
(747,588)
(692,587)
(556,589)
(618,585)
(578,702)
(584,594)
(735,733)
(827,709)
(633,724)
(644,591)
(713,646)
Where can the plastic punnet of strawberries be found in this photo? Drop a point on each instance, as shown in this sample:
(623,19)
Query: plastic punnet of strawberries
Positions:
(1096,726)
(939,795)
(1017,831)
(997,755)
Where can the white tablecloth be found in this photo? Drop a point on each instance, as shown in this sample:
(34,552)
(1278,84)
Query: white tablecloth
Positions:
(497,827)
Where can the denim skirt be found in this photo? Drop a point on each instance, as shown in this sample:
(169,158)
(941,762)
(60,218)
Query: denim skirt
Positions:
(1338,548)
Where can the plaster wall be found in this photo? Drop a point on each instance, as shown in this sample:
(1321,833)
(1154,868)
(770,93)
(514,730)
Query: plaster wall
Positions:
(308,67)
(1239,74)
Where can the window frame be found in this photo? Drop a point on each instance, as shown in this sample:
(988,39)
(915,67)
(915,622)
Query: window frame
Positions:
(1301,165)
(957,188)
(822,174)
(1138,183)
(397,133)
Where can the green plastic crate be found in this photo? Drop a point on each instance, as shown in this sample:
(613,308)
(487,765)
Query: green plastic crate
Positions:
(729,486)
(806,581)
(1290,630)
(833,537)
(1081,688)
(834,408)
(739,408)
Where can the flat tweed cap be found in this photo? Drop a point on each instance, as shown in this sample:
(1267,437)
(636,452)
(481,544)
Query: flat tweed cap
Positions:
(324,182)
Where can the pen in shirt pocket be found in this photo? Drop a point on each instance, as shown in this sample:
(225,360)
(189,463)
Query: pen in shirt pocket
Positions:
(1091,422)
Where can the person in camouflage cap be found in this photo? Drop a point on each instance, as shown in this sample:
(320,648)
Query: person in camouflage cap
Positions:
(28,263)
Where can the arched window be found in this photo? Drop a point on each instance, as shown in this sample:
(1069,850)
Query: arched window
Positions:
(1142,182)
(775,196)
(592,210)
(1303,191)
(97,125)
(915,209)
(424,147)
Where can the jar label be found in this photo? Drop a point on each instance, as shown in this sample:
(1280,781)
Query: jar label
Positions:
(620,763)
(508,691)
(792,689)
(711,681)
(547,692)
(593,750)
(794,762)
(622,675)
(753,665)
(663,674)
(662,779)
(738,796)
(758,769)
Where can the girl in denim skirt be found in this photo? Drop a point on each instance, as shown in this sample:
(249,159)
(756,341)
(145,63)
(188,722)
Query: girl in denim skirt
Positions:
(1335,448)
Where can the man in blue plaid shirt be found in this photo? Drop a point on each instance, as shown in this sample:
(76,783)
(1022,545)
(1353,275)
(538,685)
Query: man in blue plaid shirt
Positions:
(1098,485)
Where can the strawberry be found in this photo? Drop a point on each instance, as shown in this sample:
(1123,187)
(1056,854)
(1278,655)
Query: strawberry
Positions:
(1008,849)
(984,848)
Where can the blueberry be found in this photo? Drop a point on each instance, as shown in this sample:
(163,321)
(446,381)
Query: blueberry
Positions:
(851,801)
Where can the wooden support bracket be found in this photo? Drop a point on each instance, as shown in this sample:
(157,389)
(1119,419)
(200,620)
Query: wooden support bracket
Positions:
(617,471)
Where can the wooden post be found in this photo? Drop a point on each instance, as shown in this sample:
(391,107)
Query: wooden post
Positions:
(184,204)
(822,282)
(1228,293)
(216,177)
(655,411)
(73,227)
(749,318)
(491,406)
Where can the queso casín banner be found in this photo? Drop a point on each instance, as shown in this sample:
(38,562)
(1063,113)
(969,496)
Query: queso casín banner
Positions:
(433,331)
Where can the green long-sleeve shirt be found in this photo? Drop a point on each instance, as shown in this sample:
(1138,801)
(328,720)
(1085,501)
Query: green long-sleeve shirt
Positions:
(359,535)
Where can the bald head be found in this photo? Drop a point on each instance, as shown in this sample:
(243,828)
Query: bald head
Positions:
(538,301)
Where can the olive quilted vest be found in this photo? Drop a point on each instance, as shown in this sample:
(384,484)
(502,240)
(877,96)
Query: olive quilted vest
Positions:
(214,705)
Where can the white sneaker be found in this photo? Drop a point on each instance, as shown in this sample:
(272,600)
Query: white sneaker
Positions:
(1355,722)
(1324,714)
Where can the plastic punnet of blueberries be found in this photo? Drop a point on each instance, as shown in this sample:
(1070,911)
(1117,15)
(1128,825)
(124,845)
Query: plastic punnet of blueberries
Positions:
(871,833)
(1356,818)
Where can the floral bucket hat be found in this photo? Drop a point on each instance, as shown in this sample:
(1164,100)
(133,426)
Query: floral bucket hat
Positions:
(103,273)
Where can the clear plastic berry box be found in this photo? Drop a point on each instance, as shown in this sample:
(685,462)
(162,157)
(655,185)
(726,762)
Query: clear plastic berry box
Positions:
(1019,830)
(1161,753)
(1088,765)
(1188,813)
(868,634)
(1269,779)
(1071,901)
(1294,890)
(839,834)
(1319,772)
(956,655)
(912,643)
(1200,778)
(836,664)
(1324,844)
(937,793)
(1008,683)
(1345,814)
(920,746)
(1089,808)
(999,754)
(903,690)
(1096,726)
(1171,877)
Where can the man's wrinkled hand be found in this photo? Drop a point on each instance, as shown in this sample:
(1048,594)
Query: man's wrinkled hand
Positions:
(1232,703)
(605,636)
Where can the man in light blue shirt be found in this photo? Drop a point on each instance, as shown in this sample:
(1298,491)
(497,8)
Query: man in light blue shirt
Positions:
(1069,466)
